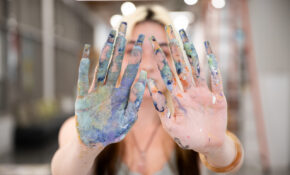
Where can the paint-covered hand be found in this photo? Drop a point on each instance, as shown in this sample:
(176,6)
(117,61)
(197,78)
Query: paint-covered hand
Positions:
(104,113)
(199,119)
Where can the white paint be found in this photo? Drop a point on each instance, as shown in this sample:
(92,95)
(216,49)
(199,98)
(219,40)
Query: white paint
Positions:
(168,115)
(213,99)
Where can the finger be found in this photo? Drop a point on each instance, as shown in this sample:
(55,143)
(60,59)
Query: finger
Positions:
(137,92)
(160,103)
(176,52)
(83,79)
(135,98)
(163,66)
(133,64)
(216,80)
(116,63)
(158,98)
(192,56)
(104,60)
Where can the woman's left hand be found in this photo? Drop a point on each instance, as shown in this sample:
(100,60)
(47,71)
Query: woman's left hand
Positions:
(199,120)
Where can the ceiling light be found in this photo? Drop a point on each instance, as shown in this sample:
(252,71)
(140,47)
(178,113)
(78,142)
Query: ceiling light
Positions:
(218,3)
(181,19)
(190,2)
(115,20)
(127,8)
(180,22)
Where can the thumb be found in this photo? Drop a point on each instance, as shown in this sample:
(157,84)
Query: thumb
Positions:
(135,99)
(137,92)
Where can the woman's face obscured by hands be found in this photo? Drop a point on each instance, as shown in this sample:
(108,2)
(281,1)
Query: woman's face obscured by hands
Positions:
(148,63)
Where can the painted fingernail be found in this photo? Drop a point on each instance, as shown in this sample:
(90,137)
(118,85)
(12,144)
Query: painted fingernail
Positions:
(168,115)
(151,85)
(86,51)
(111,37)
(122,28)
(155,44)
(169,31)
(207,47)
(140,40)
(143,76)
(183,35)
(153,38)
(149,81)
(212,61)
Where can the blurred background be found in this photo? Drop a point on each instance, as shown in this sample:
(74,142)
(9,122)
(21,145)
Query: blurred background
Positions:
(40,49)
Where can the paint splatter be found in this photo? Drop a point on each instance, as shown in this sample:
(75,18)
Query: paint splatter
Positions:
(159,99)
(180,105)
(191,53)
(163,66)
(106,114)
(177,56)
(216,80)
(177,140)
(105,58)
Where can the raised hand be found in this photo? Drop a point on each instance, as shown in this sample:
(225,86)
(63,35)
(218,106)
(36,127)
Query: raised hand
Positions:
(199,117)
(104,113)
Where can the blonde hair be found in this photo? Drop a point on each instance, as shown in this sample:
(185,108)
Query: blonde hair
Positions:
(159,14)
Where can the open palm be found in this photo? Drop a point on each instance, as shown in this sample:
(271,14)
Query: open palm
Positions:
(105,113)
(199,120)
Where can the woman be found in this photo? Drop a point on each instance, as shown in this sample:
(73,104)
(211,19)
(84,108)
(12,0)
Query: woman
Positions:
(179,116)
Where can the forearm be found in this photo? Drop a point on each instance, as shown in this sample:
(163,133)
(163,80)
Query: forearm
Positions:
(74,158)
(226,155)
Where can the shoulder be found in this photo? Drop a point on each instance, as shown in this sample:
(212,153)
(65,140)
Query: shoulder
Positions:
(67,131)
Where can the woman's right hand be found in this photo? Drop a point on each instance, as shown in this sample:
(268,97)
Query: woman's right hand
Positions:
(104,113)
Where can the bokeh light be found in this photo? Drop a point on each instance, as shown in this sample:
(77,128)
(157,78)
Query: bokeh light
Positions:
(180,22)
(218,3)
(127,8)
(190,2)
(115,20)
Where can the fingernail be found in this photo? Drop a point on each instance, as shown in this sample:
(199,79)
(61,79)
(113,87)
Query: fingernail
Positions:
(207,47)
(153,38)
(86,51)
(111,36)
(150,83)
(169,31)
(143,76)
(140,40)
(122,28)
(155,44)
(183,35)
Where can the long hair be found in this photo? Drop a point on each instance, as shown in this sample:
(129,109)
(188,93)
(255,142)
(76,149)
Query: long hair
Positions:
(106,162)
(186,160)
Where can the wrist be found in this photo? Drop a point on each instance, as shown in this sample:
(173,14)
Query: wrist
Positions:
(223,154)
(83,149)
(225,159)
